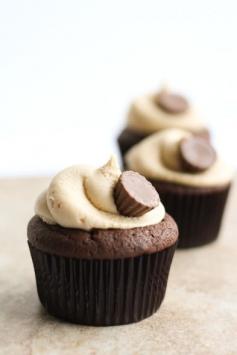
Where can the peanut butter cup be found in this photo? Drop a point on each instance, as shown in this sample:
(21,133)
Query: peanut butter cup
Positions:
(171,102)
(134,195)
(197,154)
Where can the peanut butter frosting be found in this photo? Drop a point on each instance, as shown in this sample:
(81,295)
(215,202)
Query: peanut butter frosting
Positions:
(82,197)
(147,117)
(157,157)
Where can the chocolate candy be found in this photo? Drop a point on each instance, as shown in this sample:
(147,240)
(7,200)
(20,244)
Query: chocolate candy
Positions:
(172,103)
(134,195)
(197,154)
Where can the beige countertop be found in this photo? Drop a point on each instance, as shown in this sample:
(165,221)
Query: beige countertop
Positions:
(198,316)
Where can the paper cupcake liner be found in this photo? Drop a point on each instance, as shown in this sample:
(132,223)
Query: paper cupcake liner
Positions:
(197,211)
(102,292)
(128,138)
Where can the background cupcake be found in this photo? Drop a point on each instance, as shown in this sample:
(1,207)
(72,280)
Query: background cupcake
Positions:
(192,180)
(101,245)
(152,113)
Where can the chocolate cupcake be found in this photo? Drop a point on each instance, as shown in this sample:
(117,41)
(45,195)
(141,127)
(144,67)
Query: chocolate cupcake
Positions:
(192,180)
(153,113)
(102,245)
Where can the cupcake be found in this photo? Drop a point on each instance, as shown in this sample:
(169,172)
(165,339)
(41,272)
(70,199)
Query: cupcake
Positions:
(192,180)
(153,113)
(101,245)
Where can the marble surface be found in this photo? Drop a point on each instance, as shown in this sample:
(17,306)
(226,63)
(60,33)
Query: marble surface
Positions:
(198,316)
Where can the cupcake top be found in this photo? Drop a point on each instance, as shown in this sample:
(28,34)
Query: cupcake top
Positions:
(177,156)
(85,198)
(163,110)
(102,243)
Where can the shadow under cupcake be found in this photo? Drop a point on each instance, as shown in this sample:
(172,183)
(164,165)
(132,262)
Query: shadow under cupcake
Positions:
(192,180)
(102,245)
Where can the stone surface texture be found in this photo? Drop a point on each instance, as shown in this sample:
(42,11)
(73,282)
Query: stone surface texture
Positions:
(198,316)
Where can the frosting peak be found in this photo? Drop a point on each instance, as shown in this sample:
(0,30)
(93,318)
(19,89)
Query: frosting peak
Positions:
(100,184)
(82,197)
(170,152)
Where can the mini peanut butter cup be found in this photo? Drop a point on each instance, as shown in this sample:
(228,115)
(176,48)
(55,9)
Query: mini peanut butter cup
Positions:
(134,195)
(197,154)
(172,103)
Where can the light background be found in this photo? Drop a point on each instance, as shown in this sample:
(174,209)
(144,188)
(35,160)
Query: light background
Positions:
(68,70)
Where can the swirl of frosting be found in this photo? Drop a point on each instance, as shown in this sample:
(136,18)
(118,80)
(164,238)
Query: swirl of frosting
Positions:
(147,117)
(100,184)
(157,157)
(81,197)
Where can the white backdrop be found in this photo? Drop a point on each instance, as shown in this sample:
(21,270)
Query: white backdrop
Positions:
(68,70)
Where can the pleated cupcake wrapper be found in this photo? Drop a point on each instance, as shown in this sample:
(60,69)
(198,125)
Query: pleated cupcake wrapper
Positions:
(102,292)
(198,215)
(127,139)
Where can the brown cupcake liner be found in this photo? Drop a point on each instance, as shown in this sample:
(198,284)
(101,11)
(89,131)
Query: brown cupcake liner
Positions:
(198,212)
(102,292)
(128,138)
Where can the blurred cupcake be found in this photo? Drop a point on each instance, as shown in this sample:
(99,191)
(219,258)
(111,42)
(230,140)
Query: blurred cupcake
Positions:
(101,245)
(153,113)
(192,181)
